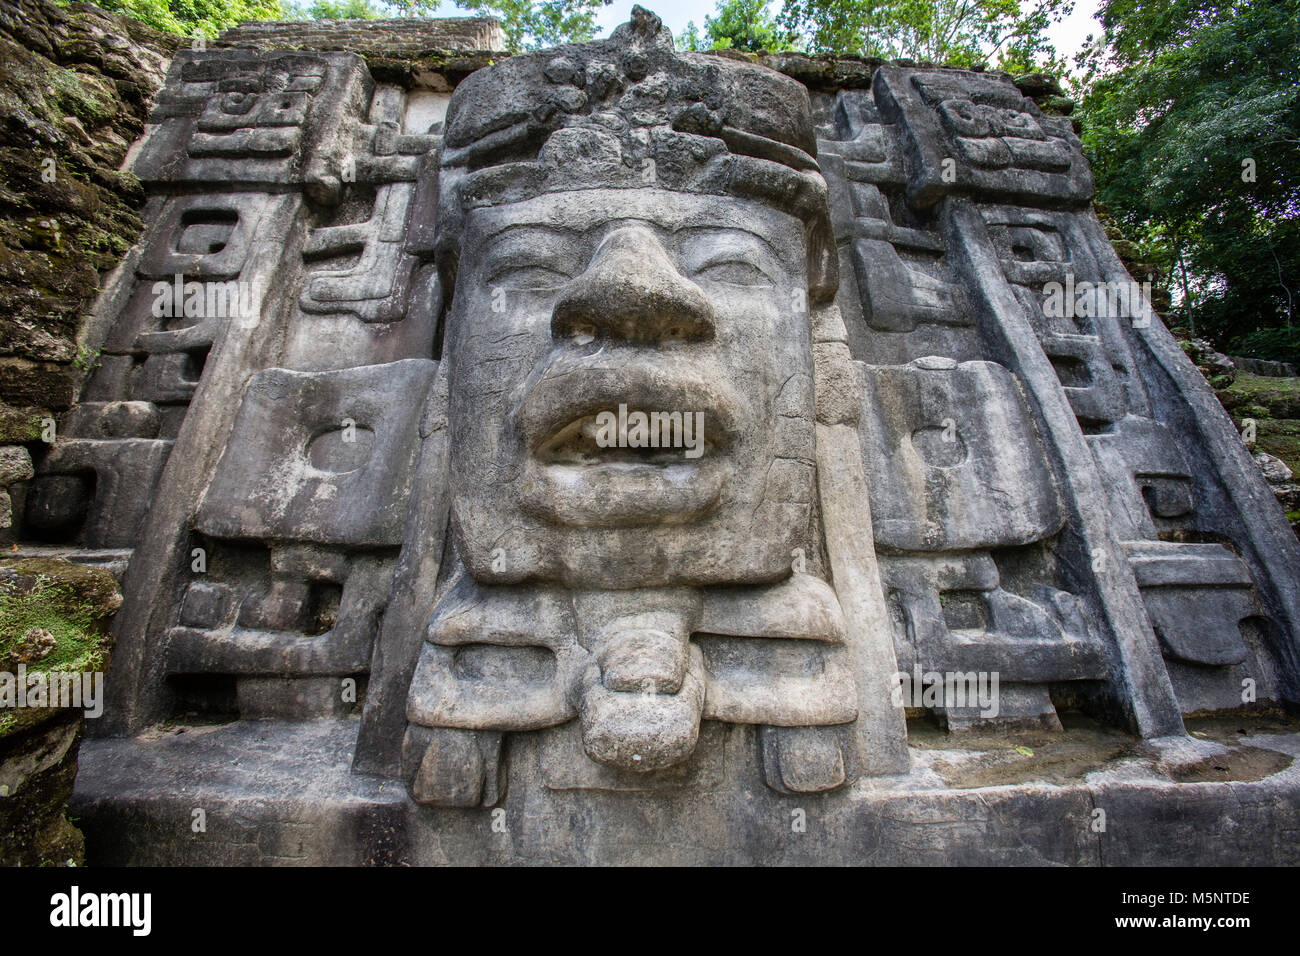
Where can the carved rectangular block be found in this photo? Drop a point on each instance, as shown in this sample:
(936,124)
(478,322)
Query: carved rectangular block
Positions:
(943,475)
(972,133)
(255,119)
(321,457)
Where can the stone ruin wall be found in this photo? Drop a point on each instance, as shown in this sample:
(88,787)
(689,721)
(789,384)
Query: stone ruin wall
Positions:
(1060,500)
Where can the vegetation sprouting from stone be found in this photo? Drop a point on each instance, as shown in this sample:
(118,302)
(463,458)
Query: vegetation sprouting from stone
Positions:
(48,628)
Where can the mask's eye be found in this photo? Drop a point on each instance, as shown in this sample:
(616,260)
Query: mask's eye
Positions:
(583,334)
(735,272)
(528,279)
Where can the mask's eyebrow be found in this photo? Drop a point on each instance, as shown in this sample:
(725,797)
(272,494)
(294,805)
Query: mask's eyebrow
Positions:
(738,241)
(523,244)
(495,229)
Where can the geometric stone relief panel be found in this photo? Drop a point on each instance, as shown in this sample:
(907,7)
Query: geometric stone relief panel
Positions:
(322,457)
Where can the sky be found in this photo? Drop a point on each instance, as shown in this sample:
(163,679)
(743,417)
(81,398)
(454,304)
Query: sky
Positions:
(1068,35)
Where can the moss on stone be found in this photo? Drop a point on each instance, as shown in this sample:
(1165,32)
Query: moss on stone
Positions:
(1274,405)
(19,426)
(1278,397)
(55,599)
(74,88)
(54,618)
(1280,439)
(89,98)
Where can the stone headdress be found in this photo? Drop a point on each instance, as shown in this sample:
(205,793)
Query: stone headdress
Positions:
(629,112)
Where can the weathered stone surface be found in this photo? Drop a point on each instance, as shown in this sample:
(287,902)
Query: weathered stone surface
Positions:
(75,83)
(15,466)
(1274,469)
(352,438)
(956,808)
(1263,367)
(427,54)
(1219,369)
(634,425)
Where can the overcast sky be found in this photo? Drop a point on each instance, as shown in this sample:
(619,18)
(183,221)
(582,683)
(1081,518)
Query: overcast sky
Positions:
(1068,36)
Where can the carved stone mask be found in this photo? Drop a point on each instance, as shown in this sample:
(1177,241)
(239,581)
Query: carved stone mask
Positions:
(583,308)
(631,238)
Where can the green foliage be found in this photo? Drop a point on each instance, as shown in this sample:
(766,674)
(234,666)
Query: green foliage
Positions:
(1191,114)
(953,32)
(530,26)
(359,9)
(1276,344)
(336,10)
(197,18)
(689,39)
(408,8)
(86,358)
(527,25)
(746,25)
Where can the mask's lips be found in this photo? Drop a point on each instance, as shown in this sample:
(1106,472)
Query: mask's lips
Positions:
(557,418)
(586,441)
(571,479)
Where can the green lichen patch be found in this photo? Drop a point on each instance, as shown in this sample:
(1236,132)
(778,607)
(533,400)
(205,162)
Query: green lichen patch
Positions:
(1273,404)
(19,426)
(1279,397)
(48,626)
(54,620)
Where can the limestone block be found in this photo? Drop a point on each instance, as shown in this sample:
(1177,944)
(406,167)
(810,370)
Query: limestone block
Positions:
(321,457)
(95,492)
(970,132)
(256,119)
(15,465)
(1197,596)
(945,475)
(958,618)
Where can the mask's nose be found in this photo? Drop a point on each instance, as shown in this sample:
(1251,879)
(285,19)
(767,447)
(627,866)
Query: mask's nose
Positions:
(633,292)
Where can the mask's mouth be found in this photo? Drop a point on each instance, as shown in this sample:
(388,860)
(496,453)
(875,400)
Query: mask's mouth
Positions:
(625,443)
(655,438)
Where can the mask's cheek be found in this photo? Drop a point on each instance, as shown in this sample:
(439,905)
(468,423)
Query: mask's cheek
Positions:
(762,357)
(492,352)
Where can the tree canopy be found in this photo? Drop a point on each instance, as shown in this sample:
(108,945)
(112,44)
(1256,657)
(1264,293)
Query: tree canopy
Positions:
(1006,33)
(204,18)
(1191,119)
(746,25)
(526,24)
(533,25)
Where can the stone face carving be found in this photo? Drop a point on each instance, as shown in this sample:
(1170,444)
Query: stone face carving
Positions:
(645,416)
(661,302)
(637,235)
